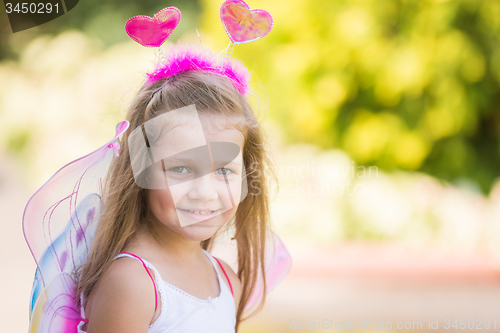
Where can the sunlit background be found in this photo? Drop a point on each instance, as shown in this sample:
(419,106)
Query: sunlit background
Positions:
(383,119)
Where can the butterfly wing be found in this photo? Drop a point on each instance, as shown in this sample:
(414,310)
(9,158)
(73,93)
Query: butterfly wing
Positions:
(70,248)
(59,224)
(278,263)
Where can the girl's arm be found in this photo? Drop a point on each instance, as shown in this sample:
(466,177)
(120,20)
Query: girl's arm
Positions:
(123,300)
(235,281)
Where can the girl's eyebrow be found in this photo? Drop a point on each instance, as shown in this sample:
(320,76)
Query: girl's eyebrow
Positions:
(233,162)
(185,159)
(175,159)
(218,152)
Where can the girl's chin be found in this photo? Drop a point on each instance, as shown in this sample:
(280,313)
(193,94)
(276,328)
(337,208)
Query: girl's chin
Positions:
(197,232)
(203,230)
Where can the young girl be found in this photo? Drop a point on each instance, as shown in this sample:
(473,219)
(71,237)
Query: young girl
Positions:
(148,271)
(134,253)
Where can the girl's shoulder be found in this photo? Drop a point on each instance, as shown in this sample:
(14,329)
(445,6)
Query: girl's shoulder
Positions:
(122,297)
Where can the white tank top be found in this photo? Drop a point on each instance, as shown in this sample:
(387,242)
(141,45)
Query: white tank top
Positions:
(183,313)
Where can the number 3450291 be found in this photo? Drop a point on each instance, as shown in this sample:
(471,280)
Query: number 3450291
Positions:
(32,8)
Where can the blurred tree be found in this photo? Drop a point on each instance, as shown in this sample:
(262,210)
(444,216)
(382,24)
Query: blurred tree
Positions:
(410,85)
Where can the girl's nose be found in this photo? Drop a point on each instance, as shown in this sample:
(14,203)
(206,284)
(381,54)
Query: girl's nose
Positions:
(203,188)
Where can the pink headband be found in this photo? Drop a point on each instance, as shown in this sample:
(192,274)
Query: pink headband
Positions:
(182,58)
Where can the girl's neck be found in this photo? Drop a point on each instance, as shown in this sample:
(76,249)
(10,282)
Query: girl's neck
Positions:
(167,243)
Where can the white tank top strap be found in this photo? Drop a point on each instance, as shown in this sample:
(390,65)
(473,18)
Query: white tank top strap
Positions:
(222,283)
(149,265)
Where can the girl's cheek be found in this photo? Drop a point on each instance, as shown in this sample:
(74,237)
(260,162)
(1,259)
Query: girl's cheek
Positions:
(161,198)
(228,214)
(167,198)
(178,192)
(230,192)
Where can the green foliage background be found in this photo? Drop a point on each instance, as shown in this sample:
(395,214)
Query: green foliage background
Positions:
(411,85)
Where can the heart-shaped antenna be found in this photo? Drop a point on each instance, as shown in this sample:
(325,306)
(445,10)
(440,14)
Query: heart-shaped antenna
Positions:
(242,24)
(153,32)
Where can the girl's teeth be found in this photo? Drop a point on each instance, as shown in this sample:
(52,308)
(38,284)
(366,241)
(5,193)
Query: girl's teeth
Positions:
(199,212)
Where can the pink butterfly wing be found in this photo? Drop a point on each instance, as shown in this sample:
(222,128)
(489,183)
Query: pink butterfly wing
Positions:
(59,223)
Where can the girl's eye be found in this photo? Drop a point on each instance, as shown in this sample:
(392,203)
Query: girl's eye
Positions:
(223,171)
(180,169)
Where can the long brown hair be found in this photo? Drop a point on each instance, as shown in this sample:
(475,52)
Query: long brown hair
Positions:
(124,203)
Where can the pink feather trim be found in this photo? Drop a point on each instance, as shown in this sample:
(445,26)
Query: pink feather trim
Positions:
(181,58)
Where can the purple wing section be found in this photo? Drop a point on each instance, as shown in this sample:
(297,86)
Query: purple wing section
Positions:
(59,223)
(55,310)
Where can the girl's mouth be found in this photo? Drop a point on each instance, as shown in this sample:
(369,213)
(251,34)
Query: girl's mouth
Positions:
(200,212)
(199,215)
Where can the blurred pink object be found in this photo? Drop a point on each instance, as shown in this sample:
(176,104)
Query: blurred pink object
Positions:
(153,32)
(242,24)
(278,263)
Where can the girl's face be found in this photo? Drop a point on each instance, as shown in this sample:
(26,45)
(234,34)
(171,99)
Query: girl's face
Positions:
(202,171)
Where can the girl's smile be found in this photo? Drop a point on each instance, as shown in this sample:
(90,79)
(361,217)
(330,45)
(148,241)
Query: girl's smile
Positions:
(198,214)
